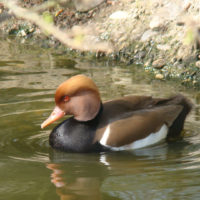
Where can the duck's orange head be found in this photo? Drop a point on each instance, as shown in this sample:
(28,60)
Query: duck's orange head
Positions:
(77,96)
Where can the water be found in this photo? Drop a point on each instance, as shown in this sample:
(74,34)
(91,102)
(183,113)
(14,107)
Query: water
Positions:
(30,169)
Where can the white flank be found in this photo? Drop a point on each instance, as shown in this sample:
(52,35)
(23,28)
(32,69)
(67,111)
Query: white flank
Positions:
(153,138)
(106,134)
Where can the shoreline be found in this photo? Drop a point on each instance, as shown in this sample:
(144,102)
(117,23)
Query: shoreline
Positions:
(161,36)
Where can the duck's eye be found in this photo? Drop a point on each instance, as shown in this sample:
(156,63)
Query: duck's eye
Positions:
(66,98)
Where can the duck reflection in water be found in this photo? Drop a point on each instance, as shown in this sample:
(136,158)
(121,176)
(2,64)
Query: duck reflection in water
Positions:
(85,176)
(69,188)
(77,176)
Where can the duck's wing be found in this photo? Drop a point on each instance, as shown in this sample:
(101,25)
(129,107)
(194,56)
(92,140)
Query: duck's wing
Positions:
(116,109)
(137,125)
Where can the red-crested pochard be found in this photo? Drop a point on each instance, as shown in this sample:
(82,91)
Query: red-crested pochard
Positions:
(129,122)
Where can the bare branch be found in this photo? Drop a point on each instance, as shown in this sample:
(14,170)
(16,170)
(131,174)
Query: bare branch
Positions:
(50,4)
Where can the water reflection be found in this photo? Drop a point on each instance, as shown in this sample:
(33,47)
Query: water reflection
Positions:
(73,187)
(124,175)
(76,176)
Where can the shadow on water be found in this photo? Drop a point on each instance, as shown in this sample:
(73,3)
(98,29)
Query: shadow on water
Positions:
(30,169)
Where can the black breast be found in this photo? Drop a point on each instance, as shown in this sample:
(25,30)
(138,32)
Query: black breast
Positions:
(72,135)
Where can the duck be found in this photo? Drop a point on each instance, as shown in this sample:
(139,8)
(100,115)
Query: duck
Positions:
(126,123)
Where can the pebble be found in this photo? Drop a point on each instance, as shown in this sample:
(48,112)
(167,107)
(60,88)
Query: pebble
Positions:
(119,15)
(163,47)
(194,82)
(198,63)
(31,30)
(159,63)
(181,66)
(156,23)
(159,76)
(140,55)
(147,35)
(22,33)
(184,53)
(146,64)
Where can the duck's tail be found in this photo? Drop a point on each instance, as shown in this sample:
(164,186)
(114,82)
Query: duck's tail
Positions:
(177,126)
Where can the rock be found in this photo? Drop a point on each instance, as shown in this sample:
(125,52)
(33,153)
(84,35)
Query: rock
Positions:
(22,33)
(85,5)
(160,63)
(147,35)
(181,66)
(140,55)
(156,23)
(31,30)
(147,64)
(198,63)
(163,47)
(194,82)
(185,53)
(119,15)
(159,76)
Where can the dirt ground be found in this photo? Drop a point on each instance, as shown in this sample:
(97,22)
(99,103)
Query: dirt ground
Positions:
(163,36)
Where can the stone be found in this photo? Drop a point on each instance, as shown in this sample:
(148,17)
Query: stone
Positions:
(22,33)
(163,47)
(184,53)
(147,63)
(140,55)
(147,35)
(159,63)
(119,15)
(181,66)
(156,23)
(198,63)
(159,76)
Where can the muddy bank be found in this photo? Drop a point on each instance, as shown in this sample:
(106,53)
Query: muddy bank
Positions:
(162,36)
